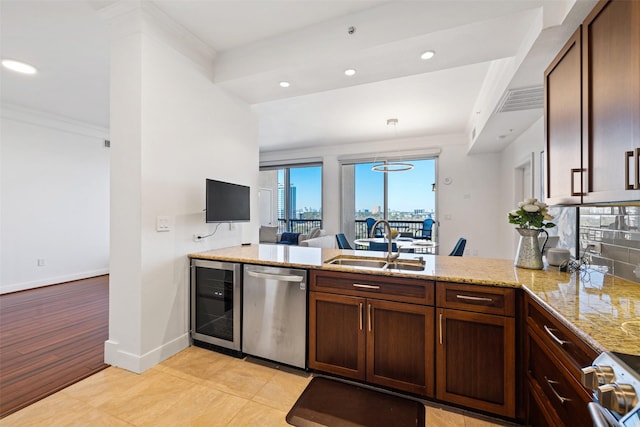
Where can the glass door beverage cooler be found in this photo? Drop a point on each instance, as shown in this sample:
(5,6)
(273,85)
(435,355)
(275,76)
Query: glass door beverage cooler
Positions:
(215,305)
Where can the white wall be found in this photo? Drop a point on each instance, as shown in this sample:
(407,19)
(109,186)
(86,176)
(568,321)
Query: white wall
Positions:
(475,180)
(519,151)
(171,129)
(54,200)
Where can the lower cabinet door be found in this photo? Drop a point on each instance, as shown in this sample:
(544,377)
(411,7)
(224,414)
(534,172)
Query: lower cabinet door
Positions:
(475,360)
(337,334)
(400,346)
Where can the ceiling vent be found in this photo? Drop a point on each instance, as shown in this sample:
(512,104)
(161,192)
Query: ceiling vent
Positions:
(526,98)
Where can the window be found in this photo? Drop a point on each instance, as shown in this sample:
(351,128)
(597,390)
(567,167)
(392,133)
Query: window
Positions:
(405,199)
(299,196)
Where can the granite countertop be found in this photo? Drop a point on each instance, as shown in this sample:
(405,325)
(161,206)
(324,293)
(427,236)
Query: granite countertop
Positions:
(602,309)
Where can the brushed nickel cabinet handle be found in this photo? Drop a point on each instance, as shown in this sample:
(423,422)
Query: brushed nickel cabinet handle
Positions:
(370,317)
(472,298)
(573,172)
(360,285)
(440,328)
(551,383)
(552,335)
(629,155)
(361,315)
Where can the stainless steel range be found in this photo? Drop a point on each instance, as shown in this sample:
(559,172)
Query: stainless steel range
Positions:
(615,381)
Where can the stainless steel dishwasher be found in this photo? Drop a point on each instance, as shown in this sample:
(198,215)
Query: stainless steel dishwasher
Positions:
(274,314)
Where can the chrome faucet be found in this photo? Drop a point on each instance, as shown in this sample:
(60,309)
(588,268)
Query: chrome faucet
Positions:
(390,255)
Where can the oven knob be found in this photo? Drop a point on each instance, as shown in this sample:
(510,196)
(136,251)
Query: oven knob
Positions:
(620,398)
(595,376)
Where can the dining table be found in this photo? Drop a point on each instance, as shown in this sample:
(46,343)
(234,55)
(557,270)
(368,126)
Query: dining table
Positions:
(404,244)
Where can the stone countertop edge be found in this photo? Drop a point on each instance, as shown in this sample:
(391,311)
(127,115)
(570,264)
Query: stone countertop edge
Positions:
(471,270)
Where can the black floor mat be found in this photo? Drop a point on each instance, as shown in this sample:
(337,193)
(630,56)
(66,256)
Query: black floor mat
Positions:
(327,402)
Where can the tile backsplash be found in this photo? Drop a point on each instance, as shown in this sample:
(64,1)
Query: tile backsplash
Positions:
(610,235)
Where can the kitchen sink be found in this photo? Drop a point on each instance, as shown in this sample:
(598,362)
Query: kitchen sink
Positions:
(378,263)
(359,262)
(410,265)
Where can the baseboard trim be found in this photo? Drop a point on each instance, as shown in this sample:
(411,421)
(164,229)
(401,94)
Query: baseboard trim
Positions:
(15,287)
(115,356)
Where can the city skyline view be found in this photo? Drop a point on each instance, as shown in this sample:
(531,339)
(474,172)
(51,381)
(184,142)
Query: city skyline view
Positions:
(410,192)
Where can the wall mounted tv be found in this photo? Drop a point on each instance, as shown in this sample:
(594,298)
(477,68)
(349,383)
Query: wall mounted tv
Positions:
(227,202)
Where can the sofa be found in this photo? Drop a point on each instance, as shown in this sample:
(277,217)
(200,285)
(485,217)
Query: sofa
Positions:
(326,241)
(269,234)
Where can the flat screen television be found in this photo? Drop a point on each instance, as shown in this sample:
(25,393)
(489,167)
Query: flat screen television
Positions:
(227,202)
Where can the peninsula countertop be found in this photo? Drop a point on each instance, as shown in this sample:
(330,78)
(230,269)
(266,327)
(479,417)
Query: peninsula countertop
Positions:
(602,309)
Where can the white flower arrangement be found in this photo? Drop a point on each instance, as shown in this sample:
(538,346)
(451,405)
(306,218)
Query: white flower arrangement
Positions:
(531,214)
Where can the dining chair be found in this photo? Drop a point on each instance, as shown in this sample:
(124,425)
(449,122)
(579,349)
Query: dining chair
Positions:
(370,222)
(458,249)
(343,243)
(425,231)
(382,246)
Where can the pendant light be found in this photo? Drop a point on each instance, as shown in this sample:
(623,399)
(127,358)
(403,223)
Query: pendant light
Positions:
(392,166)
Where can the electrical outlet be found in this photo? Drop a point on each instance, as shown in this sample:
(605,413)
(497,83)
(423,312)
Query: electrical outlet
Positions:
(41,262)
(196,238)
(594,247)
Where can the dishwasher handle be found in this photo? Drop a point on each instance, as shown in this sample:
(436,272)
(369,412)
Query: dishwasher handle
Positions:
(278,277)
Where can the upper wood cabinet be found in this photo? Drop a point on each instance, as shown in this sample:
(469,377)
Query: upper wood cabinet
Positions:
(592,109)
(563,124)
(611,101)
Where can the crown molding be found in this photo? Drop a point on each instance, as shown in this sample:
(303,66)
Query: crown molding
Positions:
(52,121)
(128,17)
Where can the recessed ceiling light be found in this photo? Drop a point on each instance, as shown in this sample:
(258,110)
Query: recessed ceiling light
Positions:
(18,66)
(285,84)
(428,54)
(349,72)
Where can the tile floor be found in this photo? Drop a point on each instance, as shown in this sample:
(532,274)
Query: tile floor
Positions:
(196,387)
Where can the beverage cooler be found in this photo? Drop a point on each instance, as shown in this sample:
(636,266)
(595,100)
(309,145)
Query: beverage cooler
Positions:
(215,305)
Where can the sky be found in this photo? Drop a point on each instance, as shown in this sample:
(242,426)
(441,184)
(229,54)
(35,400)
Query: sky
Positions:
(408,190)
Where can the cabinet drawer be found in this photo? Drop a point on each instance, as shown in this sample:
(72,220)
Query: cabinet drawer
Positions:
(538,411)
(372,286)
(564,394)
(569,348)
(477,298)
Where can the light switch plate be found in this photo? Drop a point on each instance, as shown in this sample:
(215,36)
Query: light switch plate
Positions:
(163,223)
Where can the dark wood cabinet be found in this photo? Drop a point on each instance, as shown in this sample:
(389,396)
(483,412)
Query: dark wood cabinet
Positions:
(592,109)
(475,349)
(336,334)
(554,356)
(563,124)
(400,346)
(357,332)
(611,101)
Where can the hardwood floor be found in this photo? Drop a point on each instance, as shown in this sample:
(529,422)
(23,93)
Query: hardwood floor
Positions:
(51,337)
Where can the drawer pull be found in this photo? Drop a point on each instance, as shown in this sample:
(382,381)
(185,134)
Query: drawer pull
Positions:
(477,299)
(551,384)
(555,338)
(360,285)
(361,314)
(370,317)
(441,328)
